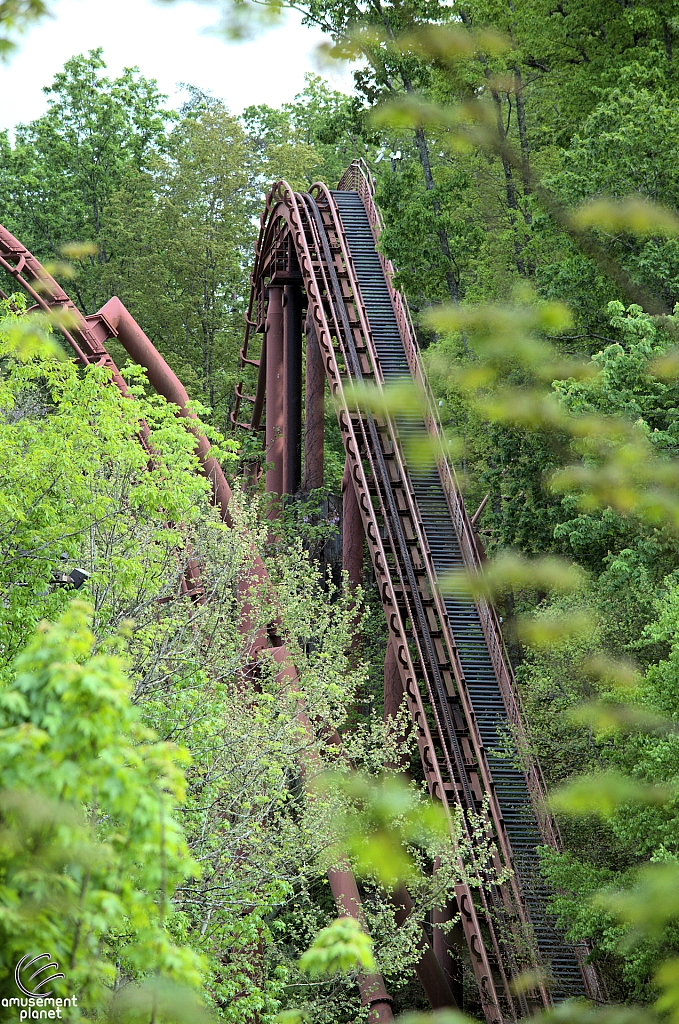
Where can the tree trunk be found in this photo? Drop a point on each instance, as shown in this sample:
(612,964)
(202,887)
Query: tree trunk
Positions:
(510,187)
(451,272)
(523,135)
(452,279)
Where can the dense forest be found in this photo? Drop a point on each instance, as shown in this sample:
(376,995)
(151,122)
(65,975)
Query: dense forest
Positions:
(156,833)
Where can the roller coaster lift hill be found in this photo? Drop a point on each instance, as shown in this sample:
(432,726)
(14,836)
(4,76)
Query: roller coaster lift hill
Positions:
(324,301)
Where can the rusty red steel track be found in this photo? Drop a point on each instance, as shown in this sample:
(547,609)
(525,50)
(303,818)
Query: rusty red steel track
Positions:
(446,653)
(86,335)
(317,252)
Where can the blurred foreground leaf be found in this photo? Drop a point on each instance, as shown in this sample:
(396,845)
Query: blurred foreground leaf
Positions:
(667,979)
(513,570)
(403,398)
(605,793)
(158,1000)
(549,630)
(341,947)
(609,716)
(291,1017)
(29,335)
(633,214)
(650,905)
(378,820)
(528,981)
(78,250)
(616,672)
(448,43)
(438,1017)
(15,17)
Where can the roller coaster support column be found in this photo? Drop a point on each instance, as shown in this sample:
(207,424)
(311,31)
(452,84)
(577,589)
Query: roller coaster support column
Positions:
(371,986)
(292,437)
(352,530)
(428,969)
(162,379)
(275,392)
(314,415)
(393,687)
(444,944)
(113,320)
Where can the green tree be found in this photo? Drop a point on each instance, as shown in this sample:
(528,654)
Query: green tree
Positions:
(313,137)
(59,178)
(92,852)
(182,240)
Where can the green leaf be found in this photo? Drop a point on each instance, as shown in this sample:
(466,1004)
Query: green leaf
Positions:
(634,214)
(605,794)
(341,947)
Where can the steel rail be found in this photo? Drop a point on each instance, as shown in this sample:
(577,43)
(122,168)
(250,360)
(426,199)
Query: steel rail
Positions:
(415,612)
(359,178)
(290,208)
(499,896)
(396,619)
(328,327)
(402,560)
(114,320)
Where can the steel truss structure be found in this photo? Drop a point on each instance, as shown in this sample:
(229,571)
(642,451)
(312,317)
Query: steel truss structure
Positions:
(324,301)
(446,654)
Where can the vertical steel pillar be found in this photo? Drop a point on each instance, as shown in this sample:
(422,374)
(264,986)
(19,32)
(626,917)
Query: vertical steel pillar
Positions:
(393,687)
(314,410)
(393,696)
(445,944)
(274,392)
(352,530)
(428,969)
(373,993)
(292,418)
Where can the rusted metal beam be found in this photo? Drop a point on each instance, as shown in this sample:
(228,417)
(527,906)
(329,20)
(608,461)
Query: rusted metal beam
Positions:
(275,392)
(314,418)
(352,531)
(393,685)
(166,383)
(447,946)
(342,881)
(114,320)
(292,430)
(428,969)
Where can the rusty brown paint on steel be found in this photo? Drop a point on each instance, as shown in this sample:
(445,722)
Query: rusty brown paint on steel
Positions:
(336,338)
(393,687)
(331,331)
(352,531)
(166,383)
(314,410)
(429,971)
(447,942)
(114,320)
(275,393)
(293,376)
(342,881)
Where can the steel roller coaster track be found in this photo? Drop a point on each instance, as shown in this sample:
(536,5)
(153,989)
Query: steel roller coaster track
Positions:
(317,253)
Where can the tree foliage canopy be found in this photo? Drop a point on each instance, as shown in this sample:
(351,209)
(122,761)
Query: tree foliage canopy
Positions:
(154,822)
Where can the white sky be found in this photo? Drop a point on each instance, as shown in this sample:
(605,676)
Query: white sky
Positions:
(168,43)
